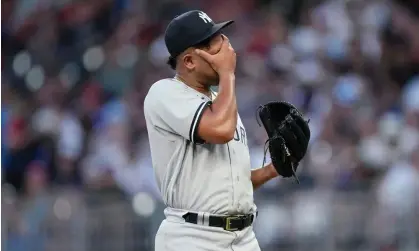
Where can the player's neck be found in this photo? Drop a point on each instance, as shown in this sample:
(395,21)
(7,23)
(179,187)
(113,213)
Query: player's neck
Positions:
(191,82)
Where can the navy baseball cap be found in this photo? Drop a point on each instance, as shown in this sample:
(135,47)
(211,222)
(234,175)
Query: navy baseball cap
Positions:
(189,29)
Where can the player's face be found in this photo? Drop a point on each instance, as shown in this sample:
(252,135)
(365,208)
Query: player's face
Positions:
(203,70)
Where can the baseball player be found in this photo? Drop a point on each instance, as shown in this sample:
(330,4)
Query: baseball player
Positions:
(199,145)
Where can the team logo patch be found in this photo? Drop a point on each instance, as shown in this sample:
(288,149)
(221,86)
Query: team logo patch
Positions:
(205,17)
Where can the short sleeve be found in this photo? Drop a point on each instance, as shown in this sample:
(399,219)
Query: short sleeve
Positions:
(176,108)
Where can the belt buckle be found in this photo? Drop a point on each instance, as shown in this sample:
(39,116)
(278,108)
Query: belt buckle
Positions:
(228,223)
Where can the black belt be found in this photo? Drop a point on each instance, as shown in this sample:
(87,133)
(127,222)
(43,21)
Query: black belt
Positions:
(229,223)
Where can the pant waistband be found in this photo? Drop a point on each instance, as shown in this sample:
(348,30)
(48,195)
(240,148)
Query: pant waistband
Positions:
(177,215)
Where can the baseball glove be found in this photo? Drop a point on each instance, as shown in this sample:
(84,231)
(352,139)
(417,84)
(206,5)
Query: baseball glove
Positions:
(288,134)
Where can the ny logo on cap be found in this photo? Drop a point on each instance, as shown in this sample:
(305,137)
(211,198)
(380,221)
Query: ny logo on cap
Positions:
(205,17)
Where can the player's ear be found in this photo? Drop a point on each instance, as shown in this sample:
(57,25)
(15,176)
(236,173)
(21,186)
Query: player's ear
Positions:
(189,61)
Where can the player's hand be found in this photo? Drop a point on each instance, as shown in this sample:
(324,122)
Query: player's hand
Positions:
(224,61)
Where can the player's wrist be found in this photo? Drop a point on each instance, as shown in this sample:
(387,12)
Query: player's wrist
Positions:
(226,76)
(272,171)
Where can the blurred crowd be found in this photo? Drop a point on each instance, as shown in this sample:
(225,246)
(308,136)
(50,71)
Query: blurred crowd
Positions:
(75,74)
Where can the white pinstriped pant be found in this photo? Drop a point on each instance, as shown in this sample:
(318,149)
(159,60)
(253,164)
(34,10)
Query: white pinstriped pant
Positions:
(175,234)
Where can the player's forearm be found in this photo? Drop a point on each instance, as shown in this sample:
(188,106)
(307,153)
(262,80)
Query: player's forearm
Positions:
(224,107)
(262,175)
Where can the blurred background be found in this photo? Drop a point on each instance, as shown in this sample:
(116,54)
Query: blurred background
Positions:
(76,168)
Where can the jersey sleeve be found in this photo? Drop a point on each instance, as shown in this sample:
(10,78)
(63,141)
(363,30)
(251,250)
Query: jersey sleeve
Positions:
(177,110)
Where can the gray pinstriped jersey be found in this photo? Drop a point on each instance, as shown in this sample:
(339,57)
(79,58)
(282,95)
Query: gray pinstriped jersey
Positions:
(195,176)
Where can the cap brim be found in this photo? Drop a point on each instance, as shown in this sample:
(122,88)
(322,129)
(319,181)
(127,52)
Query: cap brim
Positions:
(218,27)
(215,29)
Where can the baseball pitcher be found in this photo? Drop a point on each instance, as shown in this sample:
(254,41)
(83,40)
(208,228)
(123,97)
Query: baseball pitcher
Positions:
(199,144)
